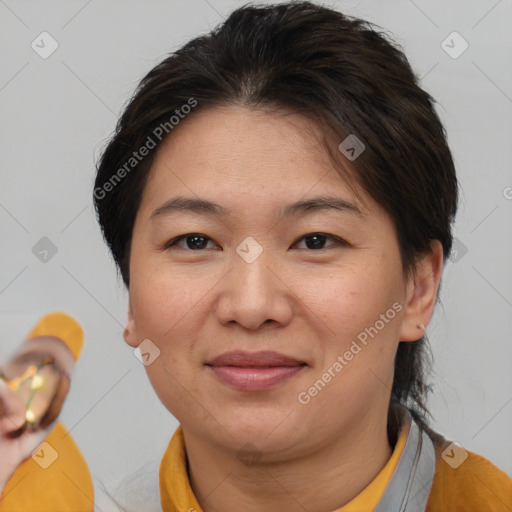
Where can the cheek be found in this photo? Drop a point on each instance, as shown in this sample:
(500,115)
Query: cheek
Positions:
(175,390)
(168,310)
(350,299)
(360,311)
(350,304)
(163,299)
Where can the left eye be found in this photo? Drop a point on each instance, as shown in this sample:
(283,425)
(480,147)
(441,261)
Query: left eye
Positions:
(315,241)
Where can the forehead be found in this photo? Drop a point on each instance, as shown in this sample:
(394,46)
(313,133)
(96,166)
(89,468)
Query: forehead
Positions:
(228,150)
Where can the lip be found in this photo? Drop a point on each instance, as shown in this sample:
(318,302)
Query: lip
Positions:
(254,371)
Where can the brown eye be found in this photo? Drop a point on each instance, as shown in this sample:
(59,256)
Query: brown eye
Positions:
(316,241)
(191,241)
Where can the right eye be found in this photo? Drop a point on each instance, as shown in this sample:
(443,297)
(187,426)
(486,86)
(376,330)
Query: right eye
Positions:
(192,241)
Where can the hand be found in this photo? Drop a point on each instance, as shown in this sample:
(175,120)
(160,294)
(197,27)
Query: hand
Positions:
(32,390)
(16,441)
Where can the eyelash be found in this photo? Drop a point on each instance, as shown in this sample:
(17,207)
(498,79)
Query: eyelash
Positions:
(339,241)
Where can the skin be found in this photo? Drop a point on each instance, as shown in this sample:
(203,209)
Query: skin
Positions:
(303,302)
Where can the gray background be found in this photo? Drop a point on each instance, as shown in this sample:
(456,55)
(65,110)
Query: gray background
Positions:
(56,114)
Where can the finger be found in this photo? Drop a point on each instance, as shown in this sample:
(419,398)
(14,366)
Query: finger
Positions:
(12,410)
(55,405)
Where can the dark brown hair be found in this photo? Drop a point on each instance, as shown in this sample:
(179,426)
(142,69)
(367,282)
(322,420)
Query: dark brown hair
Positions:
(338,70)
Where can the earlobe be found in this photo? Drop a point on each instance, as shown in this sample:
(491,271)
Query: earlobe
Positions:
(422,293)
(130,331)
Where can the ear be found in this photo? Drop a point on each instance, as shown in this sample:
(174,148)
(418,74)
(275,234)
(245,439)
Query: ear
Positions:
(421,293)
(130,331)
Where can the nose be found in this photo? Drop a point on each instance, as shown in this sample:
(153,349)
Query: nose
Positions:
(253,294)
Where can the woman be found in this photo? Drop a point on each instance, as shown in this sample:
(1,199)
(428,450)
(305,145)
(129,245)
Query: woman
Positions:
(278,197)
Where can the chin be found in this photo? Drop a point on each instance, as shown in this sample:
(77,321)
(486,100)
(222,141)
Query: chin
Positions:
(267,430)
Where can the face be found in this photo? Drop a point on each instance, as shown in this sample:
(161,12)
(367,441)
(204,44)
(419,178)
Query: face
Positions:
(273,321)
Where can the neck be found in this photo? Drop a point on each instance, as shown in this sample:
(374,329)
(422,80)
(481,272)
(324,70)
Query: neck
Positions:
(323,480)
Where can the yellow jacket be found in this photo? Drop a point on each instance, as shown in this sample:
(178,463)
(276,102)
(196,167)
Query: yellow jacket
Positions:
(476,485)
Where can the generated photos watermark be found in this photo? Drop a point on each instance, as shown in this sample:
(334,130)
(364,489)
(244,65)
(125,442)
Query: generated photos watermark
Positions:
(157,135)
(304,397)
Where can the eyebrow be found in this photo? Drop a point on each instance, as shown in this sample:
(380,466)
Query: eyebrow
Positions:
(206,207)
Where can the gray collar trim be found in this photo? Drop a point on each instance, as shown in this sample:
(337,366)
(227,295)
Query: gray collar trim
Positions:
(411,482)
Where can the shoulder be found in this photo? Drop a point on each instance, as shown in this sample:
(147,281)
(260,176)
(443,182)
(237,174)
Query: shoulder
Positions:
(465,481)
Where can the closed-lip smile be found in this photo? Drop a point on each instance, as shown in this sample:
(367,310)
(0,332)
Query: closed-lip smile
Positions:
(254,371)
